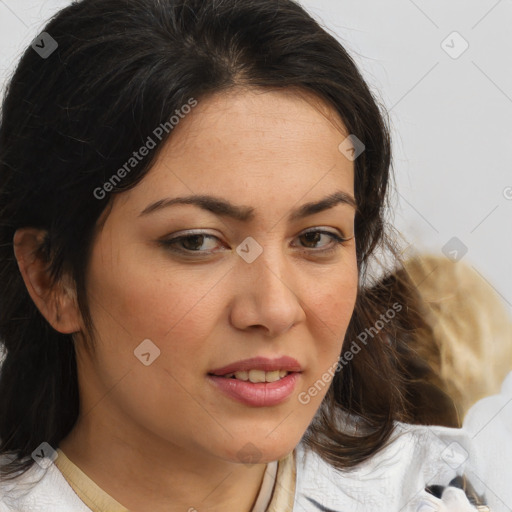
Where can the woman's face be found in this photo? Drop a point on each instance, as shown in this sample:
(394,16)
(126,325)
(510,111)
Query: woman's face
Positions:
(213,286)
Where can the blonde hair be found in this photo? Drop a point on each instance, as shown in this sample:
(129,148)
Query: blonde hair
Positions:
(469,343)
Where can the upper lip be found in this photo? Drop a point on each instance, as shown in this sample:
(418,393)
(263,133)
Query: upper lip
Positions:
(260,363)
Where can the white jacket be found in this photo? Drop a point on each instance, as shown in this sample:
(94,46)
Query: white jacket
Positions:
(393,480)
(489,426)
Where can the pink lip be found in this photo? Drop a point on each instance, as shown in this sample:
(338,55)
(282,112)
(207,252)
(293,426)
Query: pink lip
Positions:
(261,394)
(260,363)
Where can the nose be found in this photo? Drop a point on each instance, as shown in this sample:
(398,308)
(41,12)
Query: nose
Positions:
(266,295)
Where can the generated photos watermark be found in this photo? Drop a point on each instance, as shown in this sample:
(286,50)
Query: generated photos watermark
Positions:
(348,355)
(143,151)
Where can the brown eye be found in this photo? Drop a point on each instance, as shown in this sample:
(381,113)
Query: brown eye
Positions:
(192,243)
(312,237)
(195,243)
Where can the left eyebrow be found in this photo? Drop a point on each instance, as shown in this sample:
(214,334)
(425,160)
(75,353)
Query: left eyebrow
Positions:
(324,204)
(223,207)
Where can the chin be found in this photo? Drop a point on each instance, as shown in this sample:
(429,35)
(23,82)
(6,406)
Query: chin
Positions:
(260,450)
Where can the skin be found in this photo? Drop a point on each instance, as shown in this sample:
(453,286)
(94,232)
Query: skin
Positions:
(161,437)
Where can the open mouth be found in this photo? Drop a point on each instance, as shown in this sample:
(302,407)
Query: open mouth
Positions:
(256,376)
(267,386)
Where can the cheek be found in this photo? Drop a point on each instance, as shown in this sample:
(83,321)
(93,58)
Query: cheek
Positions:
(148,300)
(132,302)
(332,306)
(333,301)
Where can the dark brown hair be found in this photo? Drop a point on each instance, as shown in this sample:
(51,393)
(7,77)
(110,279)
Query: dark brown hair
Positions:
(69,121)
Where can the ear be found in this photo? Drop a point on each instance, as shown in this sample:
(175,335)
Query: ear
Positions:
(56,303)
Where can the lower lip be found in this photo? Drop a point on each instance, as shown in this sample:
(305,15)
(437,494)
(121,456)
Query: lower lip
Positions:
(260,394)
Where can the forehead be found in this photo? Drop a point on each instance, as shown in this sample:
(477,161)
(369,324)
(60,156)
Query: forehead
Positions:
(258,120)
(254,144)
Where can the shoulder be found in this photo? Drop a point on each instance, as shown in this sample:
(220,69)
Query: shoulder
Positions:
(393,479)
(37,490)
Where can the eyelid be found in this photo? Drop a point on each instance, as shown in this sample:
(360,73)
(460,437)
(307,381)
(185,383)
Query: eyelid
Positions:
(324,230)
(169,243)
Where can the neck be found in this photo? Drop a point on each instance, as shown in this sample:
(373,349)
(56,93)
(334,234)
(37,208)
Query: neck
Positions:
(155,475)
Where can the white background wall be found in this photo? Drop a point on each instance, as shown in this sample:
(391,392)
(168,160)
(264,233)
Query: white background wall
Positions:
(451,117)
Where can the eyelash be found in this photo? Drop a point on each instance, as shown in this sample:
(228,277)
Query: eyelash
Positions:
(170,244)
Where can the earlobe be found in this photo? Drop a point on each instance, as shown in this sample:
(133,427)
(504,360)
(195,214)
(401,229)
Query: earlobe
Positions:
(57,303)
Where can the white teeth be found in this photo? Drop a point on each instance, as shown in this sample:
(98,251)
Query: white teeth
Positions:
(256,376)
(272,376)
